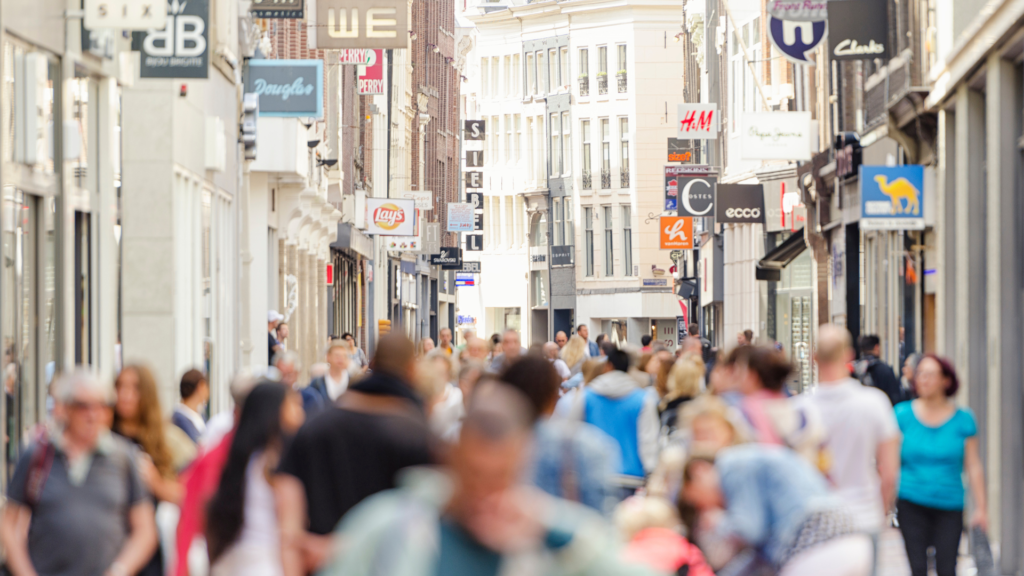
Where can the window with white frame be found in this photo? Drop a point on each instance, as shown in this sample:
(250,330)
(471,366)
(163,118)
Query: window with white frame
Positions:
(517,138)
(520,239)
(531,75)
(507,76)
(564,59)
(553,82)
(587,183)
(508,222)
(624,152)
(570,232)
(555,151)
(517,75)
(485,66)
(584,66)
(496,141)
(627,241)
(495,90)
(588,240)
(609,242)
(542,72)
(556,221)
(606,155)
(566,144)
(508,137)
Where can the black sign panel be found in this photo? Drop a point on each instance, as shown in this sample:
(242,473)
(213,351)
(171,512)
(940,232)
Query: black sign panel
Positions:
(680,150)
(474,242)
(561,255)
(858,29)
(474,158)
(478,221)
(448,259)
(276,9)
(696,194)
(474,179)
(476,199)
(474,129)
(182,48)
(739,204)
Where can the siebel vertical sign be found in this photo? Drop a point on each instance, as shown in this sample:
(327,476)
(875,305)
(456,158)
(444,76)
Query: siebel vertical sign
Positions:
(343,24)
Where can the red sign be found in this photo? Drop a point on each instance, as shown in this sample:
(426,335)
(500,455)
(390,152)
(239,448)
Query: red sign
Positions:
(371,74)
(330,274)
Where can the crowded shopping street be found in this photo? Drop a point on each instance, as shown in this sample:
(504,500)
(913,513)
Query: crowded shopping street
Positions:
(745,301)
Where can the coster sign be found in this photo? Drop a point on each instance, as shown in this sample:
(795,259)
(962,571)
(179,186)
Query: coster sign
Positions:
(343,24)
(739,204)
(390,217)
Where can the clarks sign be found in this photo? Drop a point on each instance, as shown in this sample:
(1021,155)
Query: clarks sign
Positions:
(345,24)
(857,29)
(288,87)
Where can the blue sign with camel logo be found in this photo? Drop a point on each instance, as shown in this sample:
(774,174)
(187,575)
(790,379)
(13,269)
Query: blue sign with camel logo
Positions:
(892,197)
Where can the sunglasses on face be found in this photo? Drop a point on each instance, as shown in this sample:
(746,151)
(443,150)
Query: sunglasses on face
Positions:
(81,406)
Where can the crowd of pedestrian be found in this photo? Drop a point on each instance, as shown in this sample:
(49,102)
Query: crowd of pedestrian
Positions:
(574,457)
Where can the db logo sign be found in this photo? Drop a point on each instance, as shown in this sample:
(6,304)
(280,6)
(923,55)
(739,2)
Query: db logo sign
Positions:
(388,216)
(743,212)
(676,232)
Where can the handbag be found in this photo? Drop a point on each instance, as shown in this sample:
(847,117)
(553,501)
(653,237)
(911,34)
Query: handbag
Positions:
(982,552)
(890,551)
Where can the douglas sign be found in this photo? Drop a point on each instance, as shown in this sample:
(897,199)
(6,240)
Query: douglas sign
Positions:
(288,87)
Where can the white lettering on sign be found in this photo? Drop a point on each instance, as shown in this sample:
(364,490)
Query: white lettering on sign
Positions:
(371,86)
(297,88)
(676,232)
(852,48)
(360,56)
(743,212)
(342,23)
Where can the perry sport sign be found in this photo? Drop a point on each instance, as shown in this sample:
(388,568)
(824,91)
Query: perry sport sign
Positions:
(390,217)
(739,204)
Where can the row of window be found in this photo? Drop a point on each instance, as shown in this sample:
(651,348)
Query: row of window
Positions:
(625,237)
(604,130)
(547,71)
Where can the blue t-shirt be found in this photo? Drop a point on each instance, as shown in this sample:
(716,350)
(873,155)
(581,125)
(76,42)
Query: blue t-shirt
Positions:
(932,459)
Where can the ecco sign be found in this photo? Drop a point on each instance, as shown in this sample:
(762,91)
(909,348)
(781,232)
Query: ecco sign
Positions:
(344,24)
(739,204)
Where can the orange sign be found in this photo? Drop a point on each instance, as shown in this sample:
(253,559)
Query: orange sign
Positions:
(676,232)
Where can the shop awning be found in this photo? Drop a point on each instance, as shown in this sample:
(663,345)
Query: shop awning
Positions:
(770,267)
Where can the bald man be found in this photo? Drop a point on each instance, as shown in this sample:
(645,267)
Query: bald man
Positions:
(561,339)
(863,436)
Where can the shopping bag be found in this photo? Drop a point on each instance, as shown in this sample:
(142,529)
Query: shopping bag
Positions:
(891,554)
(982,552)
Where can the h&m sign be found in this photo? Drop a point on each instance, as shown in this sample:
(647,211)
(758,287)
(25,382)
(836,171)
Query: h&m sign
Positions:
(345,24)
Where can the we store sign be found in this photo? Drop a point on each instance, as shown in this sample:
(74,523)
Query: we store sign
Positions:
(293,88)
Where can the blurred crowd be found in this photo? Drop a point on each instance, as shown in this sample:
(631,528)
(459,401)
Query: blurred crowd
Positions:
(573,457)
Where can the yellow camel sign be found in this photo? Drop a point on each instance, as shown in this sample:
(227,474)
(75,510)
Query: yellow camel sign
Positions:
(892,197)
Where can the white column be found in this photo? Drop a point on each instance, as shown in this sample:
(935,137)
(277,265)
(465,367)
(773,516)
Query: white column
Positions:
(104,216)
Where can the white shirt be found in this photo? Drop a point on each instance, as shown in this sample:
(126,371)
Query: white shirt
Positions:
(561,368)
(256,552)
(336,388)
(193,417)
(857,419)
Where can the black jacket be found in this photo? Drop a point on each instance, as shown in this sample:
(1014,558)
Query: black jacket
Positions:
(873,372)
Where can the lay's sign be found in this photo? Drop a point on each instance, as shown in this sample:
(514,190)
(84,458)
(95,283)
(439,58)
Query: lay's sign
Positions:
(390,217)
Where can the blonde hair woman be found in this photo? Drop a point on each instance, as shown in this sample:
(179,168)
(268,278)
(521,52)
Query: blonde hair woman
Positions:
(574,353)
(682,385)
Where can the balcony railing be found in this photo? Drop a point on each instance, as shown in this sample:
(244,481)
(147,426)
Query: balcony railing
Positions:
(606,179)
(602,84)
(624,178)
(584,86)
(588,183)
(621,76)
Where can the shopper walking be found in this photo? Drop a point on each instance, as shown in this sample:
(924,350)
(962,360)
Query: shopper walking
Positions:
(510,351)
(573,354)
(592,350)
(444,341)
(683,385)
(871,371)
(359,357)
(195,393)
(242,531)
(325,390)
(940,447)
(76,503)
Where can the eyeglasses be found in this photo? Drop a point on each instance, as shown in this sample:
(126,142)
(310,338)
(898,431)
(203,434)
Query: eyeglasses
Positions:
(87,406)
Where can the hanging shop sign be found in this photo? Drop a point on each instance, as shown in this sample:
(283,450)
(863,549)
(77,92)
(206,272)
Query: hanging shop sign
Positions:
(343,24)
(800,10)
(474,180)
(474,242)
(474,158)
(739,204)
(460,217)
(561,255)
(370,76)
(276,9)
(796,40)
(464,279)
(404,244)
(698,121)
(858,29)
(431,238)
(675,232)
(478,221)
(390,217)
(776,136)
(448,259)
(181,48)
(474,130)
(423,199)
(679,150)
(476,199)
(891,198)
(357,56)
(292,88)
(783,209)
(124,14)
(689,190)
(470,266)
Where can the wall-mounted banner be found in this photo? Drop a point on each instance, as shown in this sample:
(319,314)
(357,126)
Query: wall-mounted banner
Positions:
(293,88)
(276,9)
(474,179)
(679,150)
(561,255)
(342,24)
(465,279)
(448,259)
(470,266)
(359,56)
(800,10)
(783,209)
(424,199)
(474,242)
(739,204)
(476,199)
(796,40)
(460,217)
(474,129)
(124,14)
(858,29)
(431,236)
(371,74)
(776,136)
(404,244)
(180,49)
(474,158)
(675,232)
(891,198)
(390,217)
(698,121)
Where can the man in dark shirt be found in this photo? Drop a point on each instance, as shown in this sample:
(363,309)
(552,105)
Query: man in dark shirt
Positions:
(871,371)
(353,450)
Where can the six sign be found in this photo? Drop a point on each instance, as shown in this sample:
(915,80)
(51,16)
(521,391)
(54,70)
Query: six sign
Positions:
(698,121)
(675,232)
(125,14)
